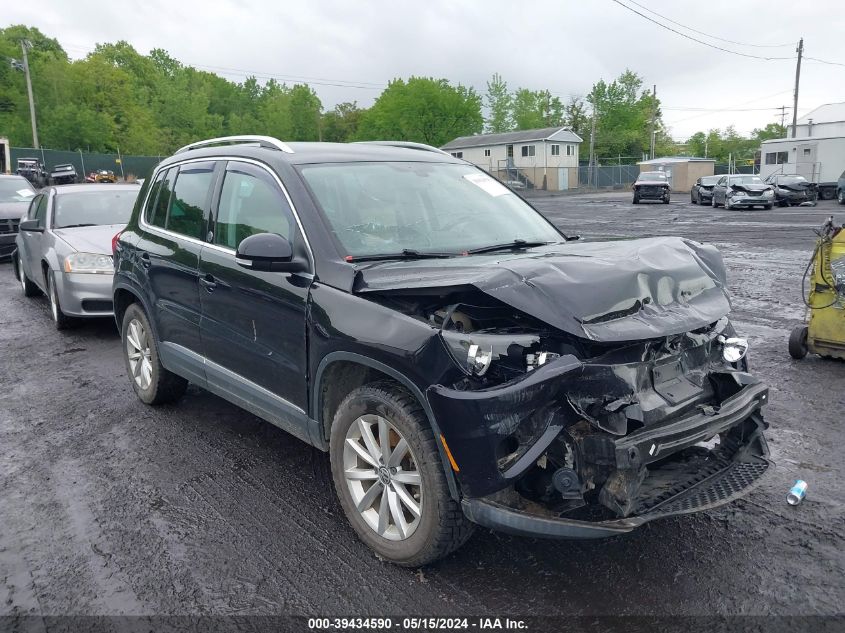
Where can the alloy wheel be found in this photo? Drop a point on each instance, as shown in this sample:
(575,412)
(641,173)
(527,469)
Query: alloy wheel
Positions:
(138,353)
(54,300)
(382,476)
(21,276)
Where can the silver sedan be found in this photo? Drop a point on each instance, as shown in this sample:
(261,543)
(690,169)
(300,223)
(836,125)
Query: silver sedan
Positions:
(64,247)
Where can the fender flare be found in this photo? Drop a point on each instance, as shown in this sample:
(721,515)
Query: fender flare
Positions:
(317,404)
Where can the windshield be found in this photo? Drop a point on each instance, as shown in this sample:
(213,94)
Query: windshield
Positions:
(792,180)
(709,180)
(92,208)
(652,175)
(389,207)
(15,190)
(745,180)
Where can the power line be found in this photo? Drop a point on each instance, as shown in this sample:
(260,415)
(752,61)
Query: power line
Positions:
(824,61)
(696,109)
(689,37)
(714,37)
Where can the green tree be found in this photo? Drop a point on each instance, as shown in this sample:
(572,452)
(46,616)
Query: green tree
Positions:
(623,116)
(422,109)
(536,109)
(499,103)
(341,124)
(576,118)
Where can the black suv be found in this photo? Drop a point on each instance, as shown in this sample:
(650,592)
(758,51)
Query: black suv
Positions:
(461,359)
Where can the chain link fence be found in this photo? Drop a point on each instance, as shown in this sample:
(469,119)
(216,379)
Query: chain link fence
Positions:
(125,167)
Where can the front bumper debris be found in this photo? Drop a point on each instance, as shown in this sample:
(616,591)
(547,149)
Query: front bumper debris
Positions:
(729,477)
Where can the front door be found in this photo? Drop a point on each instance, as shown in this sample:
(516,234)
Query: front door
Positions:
(805,161)
(253,322)
(31,257)
(176,221)
(563,178)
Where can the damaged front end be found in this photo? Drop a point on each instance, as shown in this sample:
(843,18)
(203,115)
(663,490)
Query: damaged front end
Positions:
(594,446)
(596,386)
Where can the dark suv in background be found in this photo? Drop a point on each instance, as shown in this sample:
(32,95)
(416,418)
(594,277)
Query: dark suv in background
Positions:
(461,359)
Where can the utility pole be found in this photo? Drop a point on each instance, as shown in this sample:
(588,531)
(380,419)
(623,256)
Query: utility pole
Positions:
(783,116)
(592,146)
(800,51)
(24,45)
(653,117)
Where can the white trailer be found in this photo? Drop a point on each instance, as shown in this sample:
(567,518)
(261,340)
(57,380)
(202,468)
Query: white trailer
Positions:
(820,159)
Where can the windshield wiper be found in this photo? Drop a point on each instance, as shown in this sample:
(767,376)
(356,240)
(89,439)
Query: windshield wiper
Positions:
(74,226)
(506,246)
(407,253)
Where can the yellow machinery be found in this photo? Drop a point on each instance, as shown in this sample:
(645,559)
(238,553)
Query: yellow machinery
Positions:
(824,333)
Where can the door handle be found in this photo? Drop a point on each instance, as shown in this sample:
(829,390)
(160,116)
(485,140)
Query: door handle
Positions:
(145,259)
(208,282)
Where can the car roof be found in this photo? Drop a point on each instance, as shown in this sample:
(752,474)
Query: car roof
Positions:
(83,187)
(322,152)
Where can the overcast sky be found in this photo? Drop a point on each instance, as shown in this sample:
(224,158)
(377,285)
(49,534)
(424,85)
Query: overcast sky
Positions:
(563,45)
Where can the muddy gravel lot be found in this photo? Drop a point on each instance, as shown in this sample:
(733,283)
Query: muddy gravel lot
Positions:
(111,507)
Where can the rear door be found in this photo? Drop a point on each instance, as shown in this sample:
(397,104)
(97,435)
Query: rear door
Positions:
(253,322)
(175,223)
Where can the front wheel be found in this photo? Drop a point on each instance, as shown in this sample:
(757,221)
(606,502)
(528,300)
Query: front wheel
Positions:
(151,381)
(389,477)
(798,342)
(768,207)
(636,200)
(60,319)
(713,202)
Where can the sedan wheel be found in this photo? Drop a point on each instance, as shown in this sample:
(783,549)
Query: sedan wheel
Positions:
(61,320)
(29,288)
(840,197)
(138,354)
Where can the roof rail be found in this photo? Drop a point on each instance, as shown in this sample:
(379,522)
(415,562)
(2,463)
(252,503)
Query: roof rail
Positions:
(261,141)
(407,145)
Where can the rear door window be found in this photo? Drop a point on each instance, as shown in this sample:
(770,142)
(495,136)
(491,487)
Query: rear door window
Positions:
(251,202)
(191,199)
(160,198)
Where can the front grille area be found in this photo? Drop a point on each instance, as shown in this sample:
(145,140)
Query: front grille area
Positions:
(650,190)
(9,226)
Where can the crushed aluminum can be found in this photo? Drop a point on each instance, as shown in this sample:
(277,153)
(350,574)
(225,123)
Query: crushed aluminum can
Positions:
(797,493)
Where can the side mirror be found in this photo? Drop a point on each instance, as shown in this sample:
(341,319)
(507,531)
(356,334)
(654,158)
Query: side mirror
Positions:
(268,252)
(30,226)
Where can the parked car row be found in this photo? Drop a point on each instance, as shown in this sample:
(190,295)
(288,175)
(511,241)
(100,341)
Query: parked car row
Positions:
(460,359)
(748,190)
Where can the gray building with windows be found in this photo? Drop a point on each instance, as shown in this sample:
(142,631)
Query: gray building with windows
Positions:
(545,158)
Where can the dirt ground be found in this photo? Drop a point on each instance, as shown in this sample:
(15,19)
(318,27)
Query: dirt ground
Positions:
(110,507)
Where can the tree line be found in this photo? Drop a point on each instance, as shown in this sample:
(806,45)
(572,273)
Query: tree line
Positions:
(151,104)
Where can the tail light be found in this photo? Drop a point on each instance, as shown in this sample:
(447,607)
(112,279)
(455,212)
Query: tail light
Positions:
(114,241)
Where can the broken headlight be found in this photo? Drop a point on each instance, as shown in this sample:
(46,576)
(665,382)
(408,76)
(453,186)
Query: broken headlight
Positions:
(733,349)
(476,352)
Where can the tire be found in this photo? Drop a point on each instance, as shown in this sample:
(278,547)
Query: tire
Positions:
(60,319)
(692,199)
(161,386)
(798,342)
(713,202)
(727,205)
(667,200)
(840,197)
(406,538)
(29,288)
(636,200)
(768,207)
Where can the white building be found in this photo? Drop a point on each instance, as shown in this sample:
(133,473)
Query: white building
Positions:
(544,159)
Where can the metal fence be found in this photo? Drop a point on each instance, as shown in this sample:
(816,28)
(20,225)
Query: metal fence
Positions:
(607,176)
(85,162)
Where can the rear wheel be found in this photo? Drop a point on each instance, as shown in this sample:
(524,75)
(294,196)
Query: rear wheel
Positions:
(151,381)
(61,320)
(798,342)
(768,207)
(389,477)
(29,288)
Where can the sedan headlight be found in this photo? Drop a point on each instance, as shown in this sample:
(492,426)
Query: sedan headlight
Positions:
(733,194)
(475,353)
(769,193)
(89,263)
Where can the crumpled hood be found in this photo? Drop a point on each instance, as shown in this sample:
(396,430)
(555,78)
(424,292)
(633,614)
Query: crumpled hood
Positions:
(652,183)
(603,291)
(798,186)
(90,239)
(750,188)
(13,210)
